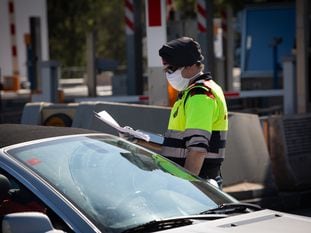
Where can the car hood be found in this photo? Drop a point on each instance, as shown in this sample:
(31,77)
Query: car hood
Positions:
(264,221)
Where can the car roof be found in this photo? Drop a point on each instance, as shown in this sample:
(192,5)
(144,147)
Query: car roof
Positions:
(16,133)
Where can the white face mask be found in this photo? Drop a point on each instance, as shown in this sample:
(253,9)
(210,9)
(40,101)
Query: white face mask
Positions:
(177,81)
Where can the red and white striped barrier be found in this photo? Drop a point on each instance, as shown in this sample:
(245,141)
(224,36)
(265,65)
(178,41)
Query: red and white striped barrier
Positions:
(12,26)
(129,17)
(156,30)
(201,15)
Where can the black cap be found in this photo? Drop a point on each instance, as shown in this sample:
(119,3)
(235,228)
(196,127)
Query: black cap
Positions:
(181,52)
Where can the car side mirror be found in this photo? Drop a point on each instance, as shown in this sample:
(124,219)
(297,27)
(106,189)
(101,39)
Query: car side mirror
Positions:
(27,222)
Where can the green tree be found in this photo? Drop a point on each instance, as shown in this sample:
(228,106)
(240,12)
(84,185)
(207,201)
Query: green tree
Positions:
(70,21)
(187,8)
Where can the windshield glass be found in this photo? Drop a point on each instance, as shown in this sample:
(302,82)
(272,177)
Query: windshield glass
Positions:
(117,184)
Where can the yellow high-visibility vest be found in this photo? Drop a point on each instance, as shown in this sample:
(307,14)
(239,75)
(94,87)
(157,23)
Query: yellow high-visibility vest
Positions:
(198,121)
(206,110)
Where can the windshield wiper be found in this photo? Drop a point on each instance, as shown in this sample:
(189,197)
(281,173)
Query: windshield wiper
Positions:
(232,208)
(164,224)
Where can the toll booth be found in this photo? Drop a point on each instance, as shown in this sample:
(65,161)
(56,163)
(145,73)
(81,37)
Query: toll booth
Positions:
(267,37)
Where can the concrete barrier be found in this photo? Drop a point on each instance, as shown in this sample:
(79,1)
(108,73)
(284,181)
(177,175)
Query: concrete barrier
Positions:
(32,113)
(146,117)
(247,157)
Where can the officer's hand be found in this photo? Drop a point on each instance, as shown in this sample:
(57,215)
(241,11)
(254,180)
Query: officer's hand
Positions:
(127,136)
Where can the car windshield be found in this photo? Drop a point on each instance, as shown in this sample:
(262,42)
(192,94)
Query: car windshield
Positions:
(117,184)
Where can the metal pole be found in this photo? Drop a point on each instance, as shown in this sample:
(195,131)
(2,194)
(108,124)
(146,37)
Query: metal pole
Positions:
(205,35)
(35,31)
(289,85)
(133,47)
(91,71)
(138,48)
(130,45)
(202,29)
(302,56)
(210,36)
(230,49)
(276,66)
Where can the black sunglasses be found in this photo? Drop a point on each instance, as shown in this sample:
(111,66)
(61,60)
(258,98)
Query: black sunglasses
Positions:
(171,69)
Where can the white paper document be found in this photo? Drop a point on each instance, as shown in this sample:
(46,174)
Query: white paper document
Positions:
(140,134)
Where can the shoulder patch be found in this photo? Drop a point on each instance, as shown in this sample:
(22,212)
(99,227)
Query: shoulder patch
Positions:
(201,91)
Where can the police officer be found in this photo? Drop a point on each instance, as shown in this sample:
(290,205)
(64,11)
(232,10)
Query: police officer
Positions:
(198,124)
